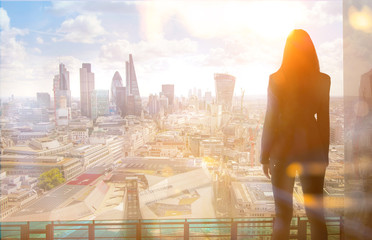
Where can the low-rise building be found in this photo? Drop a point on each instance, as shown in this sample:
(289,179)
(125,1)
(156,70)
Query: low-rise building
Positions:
(36,165)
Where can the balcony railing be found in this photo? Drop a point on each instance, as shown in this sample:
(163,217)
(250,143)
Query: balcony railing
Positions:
(236,228)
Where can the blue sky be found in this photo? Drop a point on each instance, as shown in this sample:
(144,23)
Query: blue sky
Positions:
(177,42)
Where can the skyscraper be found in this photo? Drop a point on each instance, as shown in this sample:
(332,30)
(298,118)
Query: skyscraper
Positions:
(100,103)
(62,95)
(64,84)
(208,97)
(86,89)
(225,85)
(154,105)
(121,100)
(168,91)
(116,82)
(134,102)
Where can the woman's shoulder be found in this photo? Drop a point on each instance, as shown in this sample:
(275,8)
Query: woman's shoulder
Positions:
(324,76)
(276,78)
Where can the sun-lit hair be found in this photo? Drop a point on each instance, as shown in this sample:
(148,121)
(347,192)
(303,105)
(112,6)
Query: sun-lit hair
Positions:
(299,55)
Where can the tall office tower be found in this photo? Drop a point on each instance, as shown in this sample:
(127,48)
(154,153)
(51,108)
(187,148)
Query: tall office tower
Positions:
(86,89)
(208,97)
(64,84)
(63,113)
(43,100)
(62,95)
(100,103)
(134,102)
(116,82)
(225,85)
(121,100)
(163,100)
(154,105)
(56,92)
(168,91)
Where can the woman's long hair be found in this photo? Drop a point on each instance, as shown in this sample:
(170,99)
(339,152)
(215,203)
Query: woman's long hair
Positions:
(299,58)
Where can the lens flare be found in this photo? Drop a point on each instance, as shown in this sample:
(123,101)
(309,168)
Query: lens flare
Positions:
(361,20)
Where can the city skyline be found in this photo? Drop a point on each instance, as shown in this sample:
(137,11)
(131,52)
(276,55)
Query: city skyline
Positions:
(169,44)
(145,119)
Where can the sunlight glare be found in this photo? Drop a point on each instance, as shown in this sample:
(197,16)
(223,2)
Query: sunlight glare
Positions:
(361,20)
(218,19)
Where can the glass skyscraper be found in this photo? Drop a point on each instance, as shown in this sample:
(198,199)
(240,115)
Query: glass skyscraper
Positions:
(225,85)
(134,103)
(86,89)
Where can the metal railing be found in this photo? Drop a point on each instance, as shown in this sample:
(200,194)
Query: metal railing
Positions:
(227,228)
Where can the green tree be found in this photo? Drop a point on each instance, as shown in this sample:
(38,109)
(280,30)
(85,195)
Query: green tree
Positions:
(50,179)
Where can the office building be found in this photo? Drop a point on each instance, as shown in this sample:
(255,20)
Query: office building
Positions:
(164,103)
(116,82)
(134,103)
(208,97)
(36,165)
(121,100)
(154,105)
(61,86)
(86,89)
(62,96)
(33,115)
(100,103)
(225,85)
(63,113)
(168,91)
(211,147)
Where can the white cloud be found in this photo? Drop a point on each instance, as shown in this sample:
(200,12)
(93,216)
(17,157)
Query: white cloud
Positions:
(4,19)
(39,40)
(83,28)
(20,66)
(324,13)
(37,50)
(118,51)
(64,8)
(12,51)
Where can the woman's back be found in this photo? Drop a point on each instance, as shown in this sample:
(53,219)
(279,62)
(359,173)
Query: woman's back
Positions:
(301,116)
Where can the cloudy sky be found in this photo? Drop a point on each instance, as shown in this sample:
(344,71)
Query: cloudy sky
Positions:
(179,42)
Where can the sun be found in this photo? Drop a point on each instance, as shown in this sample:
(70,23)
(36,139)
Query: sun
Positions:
(275,19)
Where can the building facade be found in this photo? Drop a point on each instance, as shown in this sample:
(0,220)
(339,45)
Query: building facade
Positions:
(225,85)
(134,103)
(86,89)
(100,103)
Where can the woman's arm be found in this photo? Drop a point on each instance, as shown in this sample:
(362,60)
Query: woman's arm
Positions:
(269,127)
(323,117)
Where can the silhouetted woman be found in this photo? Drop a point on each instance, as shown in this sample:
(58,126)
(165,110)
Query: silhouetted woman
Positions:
(295,135)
